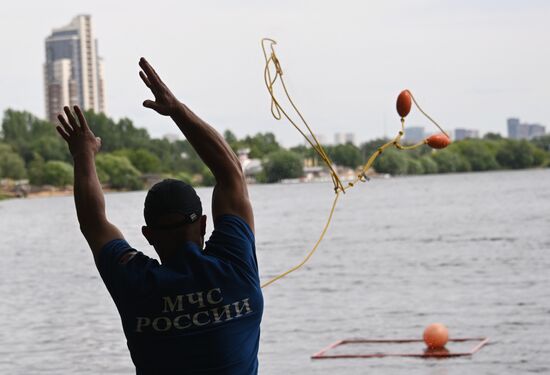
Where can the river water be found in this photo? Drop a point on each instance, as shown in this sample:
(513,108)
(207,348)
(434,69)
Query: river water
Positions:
(469,250)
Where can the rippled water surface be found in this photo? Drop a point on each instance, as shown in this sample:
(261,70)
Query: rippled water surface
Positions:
(469,250)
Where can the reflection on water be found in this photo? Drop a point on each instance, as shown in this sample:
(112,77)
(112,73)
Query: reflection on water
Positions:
(468,250)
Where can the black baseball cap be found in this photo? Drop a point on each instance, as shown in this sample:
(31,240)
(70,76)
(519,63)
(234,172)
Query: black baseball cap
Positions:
(172,196)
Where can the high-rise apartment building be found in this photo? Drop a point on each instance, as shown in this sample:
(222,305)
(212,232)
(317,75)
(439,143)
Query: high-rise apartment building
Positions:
(73,71)
(513,125)
(517,130)
(536,130)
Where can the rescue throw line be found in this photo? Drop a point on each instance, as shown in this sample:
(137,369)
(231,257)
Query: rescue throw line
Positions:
(273,73)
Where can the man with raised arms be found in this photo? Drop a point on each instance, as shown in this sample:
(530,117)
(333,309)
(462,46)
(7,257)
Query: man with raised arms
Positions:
(199,310)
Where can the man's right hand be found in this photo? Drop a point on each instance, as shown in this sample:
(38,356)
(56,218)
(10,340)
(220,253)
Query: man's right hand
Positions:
(230,195)
(165,102)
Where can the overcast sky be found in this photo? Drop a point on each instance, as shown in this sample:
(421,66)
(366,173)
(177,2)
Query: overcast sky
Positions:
(470,63)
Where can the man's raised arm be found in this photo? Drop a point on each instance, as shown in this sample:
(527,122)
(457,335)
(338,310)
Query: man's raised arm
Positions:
(230,193)
(88,196)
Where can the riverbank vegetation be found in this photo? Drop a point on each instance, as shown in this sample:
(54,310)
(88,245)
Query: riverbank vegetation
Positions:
(31,149)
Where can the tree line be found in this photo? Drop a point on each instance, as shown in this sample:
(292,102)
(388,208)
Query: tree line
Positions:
(30,148)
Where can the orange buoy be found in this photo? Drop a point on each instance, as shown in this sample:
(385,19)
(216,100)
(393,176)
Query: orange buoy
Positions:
(404,103)
(438,141)
(436,336)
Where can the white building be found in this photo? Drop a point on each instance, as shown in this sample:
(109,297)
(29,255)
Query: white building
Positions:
(343,138)
(73,72)
(461,133)
(250,167)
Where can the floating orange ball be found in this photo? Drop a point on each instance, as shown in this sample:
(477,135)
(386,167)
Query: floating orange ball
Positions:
(404,103)
(438,141)
(436,336)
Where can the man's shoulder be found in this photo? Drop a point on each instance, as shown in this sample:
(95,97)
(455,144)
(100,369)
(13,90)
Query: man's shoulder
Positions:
(233,241)
(119,251)
(234,225)
(120,264)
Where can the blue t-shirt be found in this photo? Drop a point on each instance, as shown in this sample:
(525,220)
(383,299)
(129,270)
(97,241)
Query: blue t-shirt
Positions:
(200,313)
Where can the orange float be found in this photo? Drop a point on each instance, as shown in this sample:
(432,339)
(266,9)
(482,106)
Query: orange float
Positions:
(436,336)
(404,103)
(438,141)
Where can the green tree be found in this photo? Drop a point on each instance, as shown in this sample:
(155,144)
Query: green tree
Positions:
(516,154)
(36,170)
(144,160)
(120,172)
(492,136)
(229,136)
(392,161)
(282,164)
(57,173)
(346,155)
(176,157)
(428,164)
(306,152)
(449,161)
(260,144)
(541,158)
(415,166)
(49,147)
(16,127)
(11,164)
(479,154)
(28,134)
(542,142)
(119,134)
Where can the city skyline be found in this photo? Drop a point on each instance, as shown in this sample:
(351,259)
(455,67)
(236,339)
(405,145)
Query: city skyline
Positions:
(519,130)
(73,71)
(469,64)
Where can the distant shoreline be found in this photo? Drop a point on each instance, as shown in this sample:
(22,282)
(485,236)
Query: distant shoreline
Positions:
(63,192)
(42,194)
(4,195)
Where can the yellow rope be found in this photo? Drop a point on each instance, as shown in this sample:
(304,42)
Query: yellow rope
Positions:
(277,109)
(278,112)
(312,251)
(425,114)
